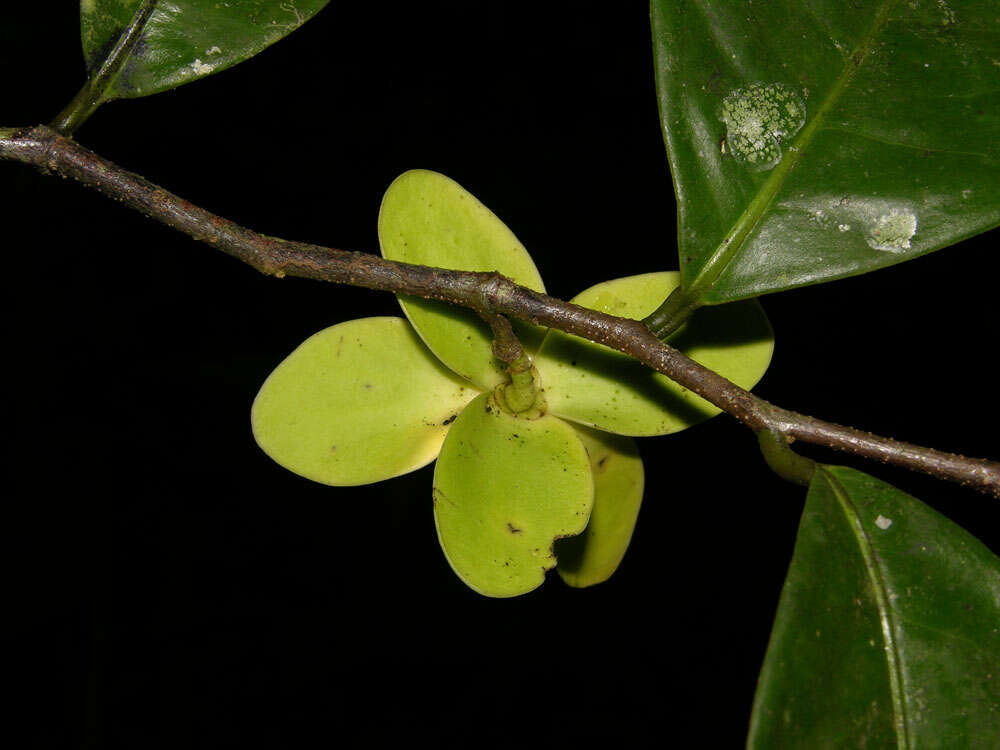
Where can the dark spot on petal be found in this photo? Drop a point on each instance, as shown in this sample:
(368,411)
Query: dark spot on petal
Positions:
(450,419)
(512,528)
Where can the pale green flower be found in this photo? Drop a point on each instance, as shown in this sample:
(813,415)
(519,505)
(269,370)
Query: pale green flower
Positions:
(371,399)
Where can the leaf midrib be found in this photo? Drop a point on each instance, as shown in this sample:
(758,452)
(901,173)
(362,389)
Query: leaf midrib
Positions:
(900,723)
(103,80)
(733,242)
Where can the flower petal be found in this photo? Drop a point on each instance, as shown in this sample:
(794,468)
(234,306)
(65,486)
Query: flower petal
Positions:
(505,489)
(597,386)
(429,219)
(356,403)
(595,554)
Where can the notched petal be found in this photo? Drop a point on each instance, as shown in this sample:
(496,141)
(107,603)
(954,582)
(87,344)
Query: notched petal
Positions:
(505,489)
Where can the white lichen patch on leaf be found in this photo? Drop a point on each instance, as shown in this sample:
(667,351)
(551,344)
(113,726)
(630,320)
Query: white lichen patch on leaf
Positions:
(883,523)
(758,119)
(892,231)
(299,17)
(201,69)
(948,15)
(884,225)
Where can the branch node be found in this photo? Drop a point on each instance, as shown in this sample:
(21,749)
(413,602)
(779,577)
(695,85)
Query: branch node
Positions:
(493,291)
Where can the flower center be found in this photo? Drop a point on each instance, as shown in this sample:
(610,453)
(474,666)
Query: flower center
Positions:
(522,396)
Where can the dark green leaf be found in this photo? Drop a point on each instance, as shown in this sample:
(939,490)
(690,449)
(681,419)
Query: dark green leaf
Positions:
(815,140)
(184,40)
(888,630)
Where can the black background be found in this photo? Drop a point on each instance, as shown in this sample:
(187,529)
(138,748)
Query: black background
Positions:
(170,586)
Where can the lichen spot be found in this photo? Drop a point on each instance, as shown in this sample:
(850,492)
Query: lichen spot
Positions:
(201,69)
(758,119)
(883,523)
(892,231)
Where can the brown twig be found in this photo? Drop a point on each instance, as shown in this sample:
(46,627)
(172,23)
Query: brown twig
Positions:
(486,293)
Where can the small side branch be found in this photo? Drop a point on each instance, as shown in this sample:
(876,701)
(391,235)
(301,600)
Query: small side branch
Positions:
(485,293)
(506,346)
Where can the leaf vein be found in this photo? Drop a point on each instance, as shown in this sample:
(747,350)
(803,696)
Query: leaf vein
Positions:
(900,144)
(886,618)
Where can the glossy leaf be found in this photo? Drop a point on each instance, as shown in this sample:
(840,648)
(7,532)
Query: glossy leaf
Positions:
(811,141)
(185,40)
(356,403)
(429,219)
(888,630)
(597,386)
(505,489)
(594,555)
